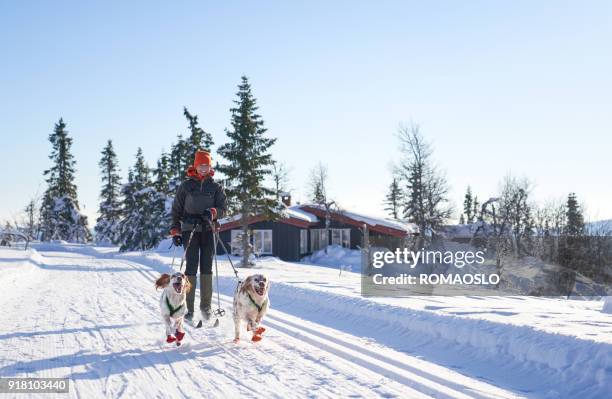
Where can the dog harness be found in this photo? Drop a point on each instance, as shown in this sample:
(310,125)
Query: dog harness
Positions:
(255,303)
(171,309)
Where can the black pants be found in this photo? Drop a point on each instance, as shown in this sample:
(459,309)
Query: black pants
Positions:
(199,252)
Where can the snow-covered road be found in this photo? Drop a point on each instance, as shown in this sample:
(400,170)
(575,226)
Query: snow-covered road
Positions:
(95,320)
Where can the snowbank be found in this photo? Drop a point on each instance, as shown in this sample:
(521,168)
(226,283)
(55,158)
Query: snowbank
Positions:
(607,306)
(336,257)
(575,367)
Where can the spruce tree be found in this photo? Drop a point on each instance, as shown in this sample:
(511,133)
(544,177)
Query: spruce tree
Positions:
(468,204)
(394,199)
(61,217)
(139,230)
(248,163)
(162,174)
(573,249)
(107,224)
(164,194)
(575,220)
(178,162)
(475,209)
(198,139)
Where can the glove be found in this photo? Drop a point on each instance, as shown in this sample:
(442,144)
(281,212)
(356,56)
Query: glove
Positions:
(177,241)
(207,215)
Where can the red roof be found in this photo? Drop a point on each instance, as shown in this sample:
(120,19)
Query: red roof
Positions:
(340,217)
(233,223)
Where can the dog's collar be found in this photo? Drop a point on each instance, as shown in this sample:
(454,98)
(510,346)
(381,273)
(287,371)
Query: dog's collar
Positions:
(171,309)
(259,307)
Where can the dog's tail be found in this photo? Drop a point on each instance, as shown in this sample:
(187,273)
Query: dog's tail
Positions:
(162,281)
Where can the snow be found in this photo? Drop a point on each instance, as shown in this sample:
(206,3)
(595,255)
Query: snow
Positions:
(292,211)
(336,257)
(92,316)
(373,220)
(607,306)
(298,213)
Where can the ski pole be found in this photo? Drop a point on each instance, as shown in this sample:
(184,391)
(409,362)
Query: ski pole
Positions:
(220,241)
(219,312)
(173,256)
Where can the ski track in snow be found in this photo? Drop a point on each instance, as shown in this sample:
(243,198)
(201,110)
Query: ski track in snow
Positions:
(95,319)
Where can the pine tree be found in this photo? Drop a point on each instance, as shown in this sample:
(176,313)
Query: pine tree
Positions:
(178,162)
(182,152)
(164,195)
(394,199)
(248,163)
(107,224)
(475,209)
(162,174)
(468,204)
(198,139)
(61,217)
(462,219)
(138,227)
(575,220)
(573,249)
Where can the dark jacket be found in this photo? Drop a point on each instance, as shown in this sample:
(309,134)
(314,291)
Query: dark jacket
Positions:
(193,197)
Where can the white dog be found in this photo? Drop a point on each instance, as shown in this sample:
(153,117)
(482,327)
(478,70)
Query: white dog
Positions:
(251,303)
(173,304)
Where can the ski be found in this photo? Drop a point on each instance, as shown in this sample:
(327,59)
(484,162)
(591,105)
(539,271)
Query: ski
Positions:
(200,324)
(193,324)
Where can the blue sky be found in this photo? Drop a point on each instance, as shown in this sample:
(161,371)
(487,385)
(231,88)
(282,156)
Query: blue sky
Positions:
(517,86)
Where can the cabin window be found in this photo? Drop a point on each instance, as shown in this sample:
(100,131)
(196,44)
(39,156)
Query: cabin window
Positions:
(303,241)
(341,237)
(262,241)
(318,239)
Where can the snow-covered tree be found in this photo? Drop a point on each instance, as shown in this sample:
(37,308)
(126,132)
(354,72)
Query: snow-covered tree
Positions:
(178,161)
(394,199)
(164,194)
(139,229)
(107,224)
(249,162)
(60,214)
(31,220)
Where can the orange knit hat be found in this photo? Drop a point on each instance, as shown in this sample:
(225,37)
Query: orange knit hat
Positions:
(202,158)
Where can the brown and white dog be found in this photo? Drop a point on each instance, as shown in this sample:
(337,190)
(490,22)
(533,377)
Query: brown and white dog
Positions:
(251,303)
(173,304)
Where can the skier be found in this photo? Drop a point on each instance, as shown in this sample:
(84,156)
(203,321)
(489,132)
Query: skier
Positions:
(198,201)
